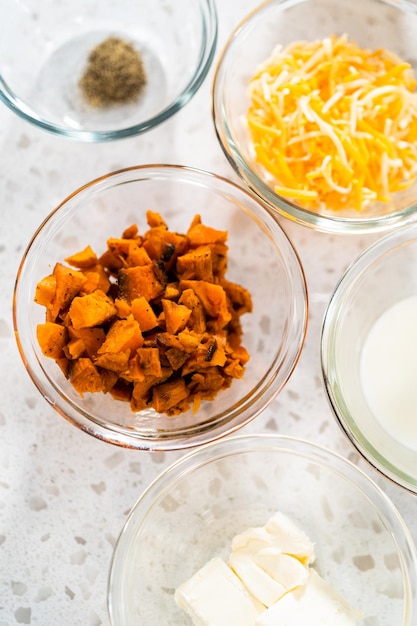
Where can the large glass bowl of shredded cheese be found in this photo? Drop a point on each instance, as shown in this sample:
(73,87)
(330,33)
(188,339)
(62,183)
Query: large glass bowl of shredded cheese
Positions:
(315,107)
(192,512)
(257,256)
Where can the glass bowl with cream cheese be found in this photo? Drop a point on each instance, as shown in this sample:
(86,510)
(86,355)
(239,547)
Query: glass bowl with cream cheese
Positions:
(369,355)
(314,105)
(259,530)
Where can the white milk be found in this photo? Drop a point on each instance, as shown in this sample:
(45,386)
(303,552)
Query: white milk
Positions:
(388,371)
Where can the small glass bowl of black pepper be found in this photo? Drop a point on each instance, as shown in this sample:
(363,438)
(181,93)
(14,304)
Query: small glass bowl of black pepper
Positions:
(94,71)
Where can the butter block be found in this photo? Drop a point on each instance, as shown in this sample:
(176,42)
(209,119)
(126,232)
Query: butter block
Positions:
(315,604)
(284,568)
(214,596)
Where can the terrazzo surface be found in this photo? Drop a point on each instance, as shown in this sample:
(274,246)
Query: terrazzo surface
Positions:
(64,496)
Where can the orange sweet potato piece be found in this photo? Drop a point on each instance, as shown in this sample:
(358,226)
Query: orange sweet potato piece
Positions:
(92,338)
(68,283)
(144,314)
(123,308)
(97,278)
(74,349)
(137,255)
(176,357)
(52,339)
(122,335)
(239,296)
(84,259)
(213,299)
(91,310)
(135,282)
(176,316)
(167,395)
(113,361)
(85,377)
(199,234)
(196,264)
(131,232)
(45,291)
(197,320)
(145,365)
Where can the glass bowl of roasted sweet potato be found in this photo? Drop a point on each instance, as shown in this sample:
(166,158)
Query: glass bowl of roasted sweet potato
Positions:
(160,307)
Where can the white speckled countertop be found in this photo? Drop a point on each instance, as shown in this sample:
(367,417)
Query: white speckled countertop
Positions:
(64,495)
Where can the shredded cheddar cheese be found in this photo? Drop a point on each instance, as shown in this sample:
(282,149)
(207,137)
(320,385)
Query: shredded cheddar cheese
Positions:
(335,124)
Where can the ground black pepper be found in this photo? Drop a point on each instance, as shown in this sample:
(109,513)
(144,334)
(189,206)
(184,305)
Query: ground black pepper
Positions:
(114,74)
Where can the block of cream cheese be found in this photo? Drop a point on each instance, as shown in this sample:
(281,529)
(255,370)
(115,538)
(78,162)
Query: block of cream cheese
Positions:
(258,582)
(315,604)
(279,532)
(214,596)
(284,568)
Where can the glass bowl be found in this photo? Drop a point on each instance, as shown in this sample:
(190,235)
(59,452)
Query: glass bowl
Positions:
(44,50)
(260,258)
(191,512)
(383,277)
(372,24)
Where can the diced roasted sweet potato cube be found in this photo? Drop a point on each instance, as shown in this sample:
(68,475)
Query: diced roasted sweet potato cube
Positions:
(121,391)
(91,337)
(113,361)
(176,357)
(131,232)
(83,259)
(52,339)
(85,377)
(123,308)
(109,379)
(196,264)
(74,349)
(199,234)
(219,259)
(97,278)
(135,282)
(155,219)
(145,365)
(90,310)
(144,314)
(45,291)
(239,297)
(137,255)
(176,316)
(213,298)
(68,284)
(197,321)
(167,395)
(122,335)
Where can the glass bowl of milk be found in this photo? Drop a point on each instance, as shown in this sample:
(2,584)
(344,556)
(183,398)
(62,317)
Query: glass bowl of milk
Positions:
(369,355)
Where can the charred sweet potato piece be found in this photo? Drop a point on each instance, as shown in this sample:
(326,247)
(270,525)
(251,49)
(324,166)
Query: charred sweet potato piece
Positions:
(91,310)
(52,338)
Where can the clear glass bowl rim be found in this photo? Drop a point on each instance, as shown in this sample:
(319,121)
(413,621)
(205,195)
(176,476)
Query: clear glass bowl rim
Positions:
(231,420)
(276,203)
(236,444)
(347,281)
(208,49)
